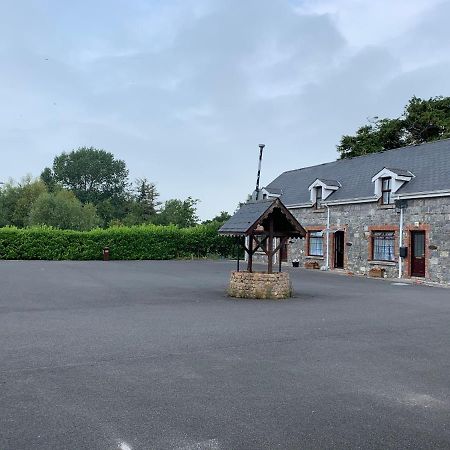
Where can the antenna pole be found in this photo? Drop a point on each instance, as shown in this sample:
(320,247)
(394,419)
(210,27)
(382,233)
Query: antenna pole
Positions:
(261,148)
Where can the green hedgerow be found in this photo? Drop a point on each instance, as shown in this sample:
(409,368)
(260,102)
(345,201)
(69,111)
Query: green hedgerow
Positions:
(137,242)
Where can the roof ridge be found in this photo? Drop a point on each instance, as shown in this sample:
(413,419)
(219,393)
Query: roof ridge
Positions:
(368,155)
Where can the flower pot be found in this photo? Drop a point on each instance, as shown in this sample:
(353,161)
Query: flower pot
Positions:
(295,263)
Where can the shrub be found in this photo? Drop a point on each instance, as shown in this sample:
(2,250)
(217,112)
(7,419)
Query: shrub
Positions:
(139,242)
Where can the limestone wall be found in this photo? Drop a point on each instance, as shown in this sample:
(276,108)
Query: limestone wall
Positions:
(431,215)
(260,285)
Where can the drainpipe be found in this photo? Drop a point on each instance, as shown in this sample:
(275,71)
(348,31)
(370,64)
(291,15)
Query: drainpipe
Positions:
(327,266)
(400,243)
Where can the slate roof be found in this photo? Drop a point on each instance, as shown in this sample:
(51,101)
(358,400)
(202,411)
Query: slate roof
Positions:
(430,163)
(245,216)
(248,215)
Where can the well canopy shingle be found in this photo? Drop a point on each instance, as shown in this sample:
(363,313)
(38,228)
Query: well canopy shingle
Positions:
(255,213)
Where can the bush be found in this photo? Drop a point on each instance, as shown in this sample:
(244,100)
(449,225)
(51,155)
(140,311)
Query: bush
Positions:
(140,242)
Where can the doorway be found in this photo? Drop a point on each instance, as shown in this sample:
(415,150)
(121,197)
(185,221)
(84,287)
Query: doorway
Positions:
(339,249)
(284,252)
(417,253)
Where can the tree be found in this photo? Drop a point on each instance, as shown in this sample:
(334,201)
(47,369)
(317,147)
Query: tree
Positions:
(63,210)
(146,200)
(427,120)
(48,179)
(16,201)
(421,121)
(110,211)
(92,175)
(220,218)
(178,212)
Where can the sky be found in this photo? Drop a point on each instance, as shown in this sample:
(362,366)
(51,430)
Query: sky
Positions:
(185,90)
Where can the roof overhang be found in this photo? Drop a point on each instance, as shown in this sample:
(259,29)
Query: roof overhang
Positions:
(251,215)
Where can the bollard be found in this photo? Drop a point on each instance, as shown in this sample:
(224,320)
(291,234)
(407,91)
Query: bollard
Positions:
(105,253)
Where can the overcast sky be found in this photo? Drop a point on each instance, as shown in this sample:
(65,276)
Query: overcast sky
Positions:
(184,91)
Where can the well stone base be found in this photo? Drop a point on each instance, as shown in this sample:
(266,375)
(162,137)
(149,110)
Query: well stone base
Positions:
(260,285)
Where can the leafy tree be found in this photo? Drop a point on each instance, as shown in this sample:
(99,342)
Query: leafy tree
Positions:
(421,121)
(109,211)
(92,175)
(427,120)
(178,212)
(48,179)
(63,210)
(16,201)
(144,204)
(9,195)
(220,218)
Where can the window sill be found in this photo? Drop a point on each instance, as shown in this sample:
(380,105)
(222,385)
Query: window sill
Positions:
(313,257)
(383,263)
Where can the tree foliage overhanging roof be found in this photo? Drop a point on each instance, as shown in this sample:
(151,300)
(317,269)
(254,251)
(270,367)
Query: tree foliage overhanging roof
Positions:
(422,121)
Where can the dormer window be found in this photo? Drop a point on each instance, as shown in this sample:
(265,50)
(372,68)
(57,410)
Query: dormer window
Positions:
(386,190)
(318,197)
(321,189)
(388,181)
(267,193)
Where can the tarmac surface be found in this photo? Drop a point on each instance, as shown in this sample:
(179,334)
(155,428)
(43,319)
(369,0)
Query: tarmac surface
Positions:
(153,355)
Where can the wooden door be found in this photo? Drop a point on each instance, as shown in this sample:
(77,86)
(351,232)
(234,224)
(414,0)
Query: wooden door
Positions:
(339,249)
(284,251)
(418,253)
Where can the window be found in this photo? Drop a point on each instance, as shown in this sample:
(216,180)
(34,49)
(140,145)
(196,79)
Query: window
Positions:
(315,243)
(385,191)
(318,197)
(383,245)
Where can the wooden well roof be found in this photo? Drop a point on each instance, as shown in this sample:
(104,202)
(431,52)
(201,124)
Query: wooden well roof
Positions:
(253,216)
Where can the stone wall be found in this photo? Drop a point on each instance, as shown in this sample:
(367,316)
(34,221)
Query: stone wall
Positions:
(260,285)
(431,215)
(358,221)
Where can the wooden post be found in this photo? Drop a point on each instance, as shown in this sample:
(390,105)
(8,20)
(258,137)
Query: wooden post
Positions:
(282,242)
(279,254)
(250,253)
(270,252)
(238,247)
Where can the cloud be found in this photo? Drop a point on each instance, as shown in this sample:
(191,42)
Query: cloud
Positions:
(185,91)
(366,23)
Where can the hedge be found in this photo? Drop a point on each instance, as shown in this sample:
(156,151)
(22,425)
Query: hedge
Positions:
(139,242)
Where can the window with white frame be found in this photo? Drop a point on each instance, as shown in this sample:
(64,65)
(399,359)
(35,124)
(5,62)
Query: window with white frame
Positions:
(318,197)
(315,243)
(387,182)
(386,190)
(320,190)
(383,245)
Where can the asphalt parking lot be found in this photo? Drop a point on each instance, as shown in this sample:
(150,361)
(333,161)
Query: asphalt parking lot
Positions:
(153,355)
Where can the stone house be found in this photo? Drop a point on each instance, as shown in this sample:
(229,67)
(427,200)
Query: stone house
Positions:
(354,211)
